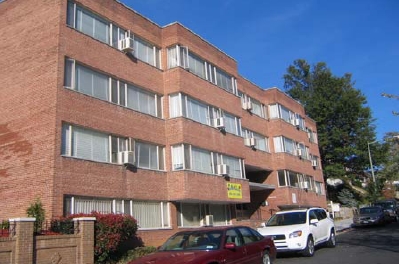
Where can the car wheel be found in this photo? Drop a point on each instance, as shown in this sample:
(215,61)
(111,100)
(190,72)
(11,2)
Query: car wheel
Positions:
(309,250)
(331,241)
(266,258)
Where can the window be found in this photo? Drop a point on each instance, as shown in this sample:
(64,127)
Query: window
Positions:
(99,28)
(282,181)
(93,83)
(232,124)
(319,187)
(183,105)
(258,108)
(179,56)
(197,111)
(149,156)
(224,80)
(87,22)
(293,179)
(149,214)
(261,142)
(192,214)
(119,144)
(146,52)
(235,169)
(192,158)
(85,144)
(279,111)
(92,145)
(312,136)
(201,160)
(283,144)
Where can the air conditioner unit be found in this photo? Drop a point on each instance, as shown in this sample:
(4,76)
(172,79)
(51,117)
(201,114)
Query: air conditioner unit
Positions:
(219,123)
(126,157)
(127,44)
(209,220)
(296,122)
(299,152)
(247,105)
(304,185)
(222,169)
(314,163)
(250,142)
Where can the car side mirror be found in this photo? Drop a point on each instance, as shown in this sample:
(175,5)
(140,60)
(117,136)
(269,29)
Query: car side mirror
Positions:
(230,246)
(314,221)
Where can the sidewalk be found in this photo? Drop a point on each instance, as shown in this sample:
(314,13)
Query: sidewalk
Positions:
(341,225)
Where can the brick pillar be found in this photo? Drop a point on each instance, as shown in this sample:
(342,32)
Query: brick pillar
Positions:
(24,239)
(84,226)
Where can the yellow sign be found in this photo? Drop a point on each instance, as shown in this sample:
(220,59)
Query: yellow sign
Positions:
(234,190)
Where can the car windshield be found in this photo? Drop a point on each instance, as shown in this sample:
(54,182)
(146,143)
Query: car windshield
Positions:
(291,218)
(370,210)
(193,240)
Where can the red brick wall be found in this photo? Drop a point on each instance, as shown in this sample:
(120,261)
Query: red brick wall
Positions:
(29,72)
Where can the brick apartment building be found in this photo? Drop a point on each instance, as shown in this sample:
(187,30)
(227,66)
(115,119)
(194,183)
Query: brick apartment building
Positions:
(102,109)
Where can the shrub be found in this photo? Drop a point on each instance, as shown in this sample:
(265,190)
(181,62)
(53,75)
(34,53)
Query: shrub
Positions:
(136,253)
(36,210)
(110,231)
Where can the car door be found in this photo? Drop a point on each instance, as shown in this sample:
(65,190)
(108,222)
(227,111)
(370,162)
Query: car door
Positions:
(237,255)
(323,224)
(314,228)
(252,248)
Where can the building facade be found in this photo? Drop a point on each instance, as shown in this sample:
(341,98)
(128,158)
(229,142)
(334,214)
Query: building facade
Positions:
(104,110)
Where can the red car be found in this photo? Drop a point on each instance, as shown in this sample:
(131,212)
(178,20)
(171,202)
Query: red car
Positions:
(214,245)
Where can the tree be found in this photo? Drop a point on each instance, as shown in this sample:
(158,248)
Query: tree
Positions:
(344,122)
(390,168)
(347,198)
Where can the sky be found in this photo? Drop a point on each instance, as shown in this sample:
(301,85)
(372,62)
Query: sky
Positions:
(265,37)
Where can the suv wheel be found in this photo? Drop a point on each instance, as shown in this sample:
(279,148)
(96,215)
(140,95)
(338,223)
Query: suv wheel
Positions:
(309,250)
(331,241)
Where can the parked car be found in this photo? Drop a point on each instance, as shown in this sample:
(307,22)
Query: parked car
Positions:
(373,215)
(300,230)
(229,244)
(390,206)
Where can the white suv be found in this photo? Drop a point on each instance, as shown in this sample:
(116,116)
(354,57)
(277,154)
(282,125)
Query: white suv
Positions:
(300,230)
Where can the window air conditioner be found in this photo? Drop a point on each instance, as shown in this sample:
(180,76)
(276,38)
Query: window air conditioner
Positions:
(314,163)
(127,44)
(250,142)
(305,185)
(126,157)
(299,152)
(222,169)
(296,122)
(247,105)
(209,220)
(219,123)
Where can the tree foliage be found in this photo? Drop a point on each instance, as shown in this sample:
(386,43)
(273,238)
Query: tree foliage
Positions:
(344,121)
(390,167)
(346,197)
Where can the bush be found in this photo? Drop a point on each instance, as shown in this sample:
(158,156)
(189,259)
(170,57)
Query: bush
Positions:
(110,231)
(4,224)
(136,253)
(36,210)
